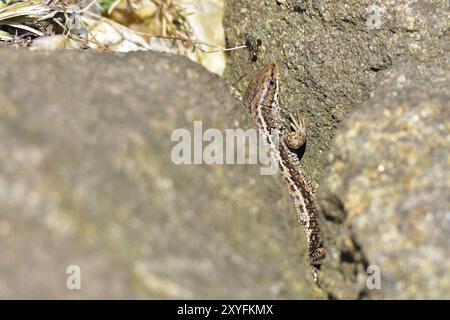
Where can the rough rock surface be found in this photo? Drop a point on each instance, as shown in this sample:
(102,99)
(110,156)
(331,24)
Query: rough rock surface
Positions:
(86,179)
(331,52)
(381,56)
(391,171)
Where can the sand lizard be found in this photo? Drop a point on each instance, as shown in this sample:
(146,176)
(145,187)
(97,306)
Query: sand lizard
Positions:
(262,101)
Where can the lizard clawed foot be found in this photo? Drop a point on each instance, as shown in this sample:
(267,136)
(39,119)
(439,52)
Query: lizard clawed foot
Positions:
(297,137)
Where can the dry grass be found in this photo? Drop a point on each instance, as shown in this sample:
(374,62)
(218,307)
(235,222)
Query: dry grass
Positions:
(24,21)
(109,25)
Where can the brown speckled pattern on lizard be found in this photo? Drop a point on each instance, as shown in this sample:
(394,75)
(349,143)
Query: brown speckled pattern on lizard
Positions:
(262,101)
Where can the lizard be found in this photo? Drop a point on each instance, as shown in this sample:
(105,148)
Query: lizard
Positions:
(262,101)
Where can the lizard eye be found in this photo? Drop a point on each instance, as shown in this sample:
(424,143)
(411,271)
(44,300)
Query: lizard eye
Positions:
(272,82)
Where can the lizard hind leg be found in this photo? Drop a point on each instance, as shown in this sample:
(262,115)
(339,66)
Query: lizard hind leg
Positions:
(296,138)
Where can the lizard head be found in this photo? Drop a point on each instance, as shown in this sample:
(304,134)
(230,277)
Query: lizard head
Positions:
(263,88)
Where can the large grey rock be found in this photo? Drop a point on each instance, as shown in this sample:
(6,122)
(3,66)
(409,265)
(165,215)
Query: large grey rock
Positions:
(387,199)
(336,57)
(331,53)
(86,179)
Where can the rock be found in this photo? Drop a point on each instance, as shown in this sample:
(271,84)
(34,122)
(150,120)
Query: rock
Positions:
(380,63)
(331,53)
(86,179)
(390,180)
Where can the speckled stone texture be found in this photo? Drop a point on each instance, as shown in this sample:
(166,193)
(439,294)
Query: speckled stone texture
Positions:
(331,53)
(385,65)
(86,178)
(390,168)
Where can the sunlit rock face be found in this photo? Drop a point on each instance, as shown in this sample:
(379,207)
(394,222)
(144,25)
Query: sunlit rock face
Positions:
(87,180)
(371,80)
(389,170)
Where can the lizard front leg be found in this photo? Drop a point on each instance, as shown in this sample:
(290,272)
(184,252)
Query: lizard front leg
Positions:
(296,138)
